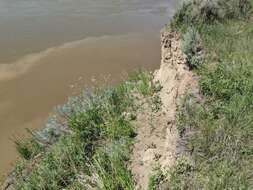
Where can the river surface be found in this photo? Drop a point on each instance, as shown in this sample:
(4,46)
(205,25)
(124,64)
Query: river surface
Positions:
(50,49)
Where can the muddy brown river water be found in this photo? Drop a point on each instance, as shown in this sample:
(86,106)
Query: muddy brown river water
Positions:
(51,49)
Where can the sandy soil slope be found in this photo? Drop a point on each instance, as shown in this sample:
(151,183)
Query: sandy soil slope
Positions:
(157,142)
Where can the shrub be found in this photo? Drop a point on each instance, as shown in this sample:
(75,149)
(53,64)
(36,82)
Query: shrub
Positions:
(210,11)
(227,80)
(191,48)
(87,124)
(182,15)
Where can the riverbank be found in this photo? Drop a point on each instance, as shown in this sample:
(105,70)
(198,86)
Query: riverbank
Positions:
(117,134)
(186,126)
(47,79)
(51,50)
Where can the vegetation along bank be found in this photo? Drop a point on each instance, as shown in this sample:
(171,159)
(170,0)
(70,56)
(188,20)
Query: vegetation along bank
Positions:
(188,125)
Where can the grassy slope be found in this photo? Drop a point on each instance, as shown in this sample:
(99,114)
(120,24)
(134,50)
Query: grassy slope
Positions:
(93,150)
(221,151)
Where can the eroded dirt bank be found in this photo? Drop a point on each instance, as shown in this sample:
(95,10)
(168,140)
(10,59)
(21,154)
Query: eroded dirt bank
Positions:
(158,143)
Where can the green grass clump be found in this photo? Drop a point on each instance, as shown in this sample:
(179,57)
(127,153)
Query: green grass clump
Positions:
(87,144)
(109,165)
(144,83)
(175,179)
(28,149)
(221,123)
(158,180)
(180,175)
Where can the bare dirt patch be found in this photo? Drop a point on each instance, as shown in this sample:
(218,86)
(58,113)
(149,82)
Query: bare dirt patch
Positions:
(157,142)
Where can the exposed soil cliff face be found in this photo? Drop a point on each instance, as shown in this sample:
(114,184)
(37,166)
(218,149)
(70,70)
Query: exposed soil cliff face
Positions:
(159,144)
